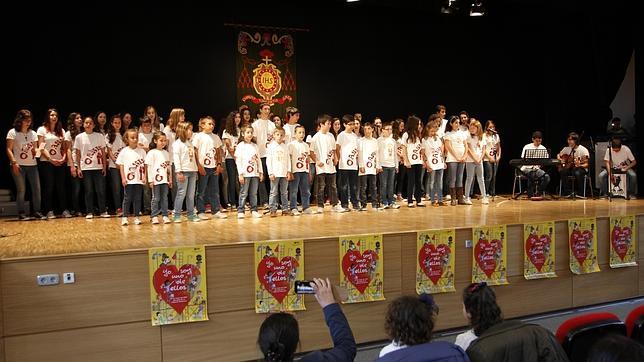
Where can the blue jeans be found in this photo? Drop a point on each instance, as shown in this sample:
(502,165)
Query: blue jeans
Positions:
(536,176)
(434,185)
(490,172)
(209,191)
(300,181)
(132,195)
(455,174)
(279,185)
(248,189)
(631,182)
(159,200)
(27,173)
(348,188)
(186,190)
(77,185)
(370,182)
(233,181)
(115,186)
(387,179)
(474,170)
(94,183)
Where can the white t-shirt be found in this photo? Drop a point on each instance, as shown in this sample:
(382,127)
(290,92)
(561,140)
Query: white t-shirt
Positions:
(413,150)
(158,162)
(263,133)
(491,143)
(183,154)
(24,146)
(434,152)
(289,131)
(530,146)
(133,162)
(323,145)
(368,155)
(145,139)
(387,152)
(248,160)
(277,160)
(464,339)
(348,143)
(233,141)
(475,146)
(391,347)
(207,146)
(52,143)
(441,130)
(580,152)
(299,154)
(92,148)
(171,136)
(308,142)
(457,141)
(116,147)
(621,158)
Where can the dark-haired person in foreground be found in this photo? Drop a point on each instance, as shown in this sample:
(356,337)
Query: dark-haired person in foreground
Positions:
(616,348)
(410,323)
(481,311)
(279,335)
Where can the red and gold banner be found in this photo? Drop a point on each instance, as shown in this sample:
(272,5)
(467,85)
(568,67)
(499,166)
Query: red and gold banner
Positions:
(539,250)
(361,267)
(489,261)
(278,264)
(623,241)
(582,240)
(435,265)
(178,285)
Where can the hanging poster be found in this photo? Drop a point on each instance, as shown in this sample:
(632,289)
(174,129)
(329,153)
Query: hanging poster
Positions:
(623,241)
(539,250)
(361,267)
(278,265)
(435,267)
(178,285)
(583,245)
(489,255)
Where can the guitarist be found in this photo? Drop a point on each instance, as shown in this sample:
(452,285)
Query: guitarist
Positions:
(574,162)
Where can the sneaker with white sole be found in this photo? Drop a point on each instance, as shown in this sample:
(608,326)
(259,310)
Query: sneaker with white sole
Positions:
(124,221)
(319,210)
(294,212)
(256,214)
(155,220)
(339,208)
(66,214)
(89,216)
(137,221)
(166,220)
(194,218)
(50,215)
(485,201)
(240,215)
(220,215)
(308,211)
(420,204)
(468,201)
(105,215)
(395,206)
(203,216)
(177,219)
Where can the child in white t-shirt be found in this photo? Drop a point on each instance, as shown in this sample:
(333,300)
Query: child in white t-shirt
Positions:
(277,168)
(387,166)
(298,151)
(434,164)
(323,152)
(92,166)
(53,164)
(210,154)
(159,176)
(131,162)
(474,162)
(367,167)
(185,165)
(347,149)
(115,144)
(251,173)
(414,160)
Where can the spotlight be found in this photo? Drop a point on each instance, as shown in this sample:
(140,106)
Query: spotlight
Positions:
(477,8)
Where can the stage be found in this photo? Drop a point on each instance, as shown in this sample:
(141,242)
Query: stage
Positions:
(105,315)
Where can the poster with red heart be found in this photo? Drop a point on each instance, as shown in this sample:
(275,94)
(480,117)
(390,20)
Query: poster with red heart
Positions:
(582,241)
(623,241)
(539,250)
(361,267)
(178,285)
(435,263)
(489,260)
(278,264)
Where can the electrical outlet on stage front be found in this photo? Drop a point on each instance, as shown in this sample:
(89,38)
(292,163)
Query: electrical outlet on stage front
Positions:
(69,278)
(48,279)
(468,243)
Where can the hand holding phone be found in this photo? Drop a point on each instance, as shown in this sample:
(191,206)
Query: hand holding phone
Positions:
(304,287)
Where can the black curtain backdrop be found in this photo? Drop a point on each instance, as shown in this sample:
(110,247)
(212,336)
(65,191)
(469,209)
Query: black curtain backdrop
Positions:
(529,65)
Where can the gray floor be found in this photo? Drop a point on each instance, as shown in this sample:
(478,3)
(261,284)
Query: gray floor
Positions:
(550,321)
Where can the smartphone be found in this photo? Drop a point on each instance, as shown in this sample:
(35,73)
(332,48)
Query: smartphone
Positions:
(304,287)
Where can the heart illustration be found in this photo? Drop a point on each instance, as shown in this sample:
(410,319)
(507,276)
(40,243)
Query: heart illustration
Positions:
(173,284)
(359,268)
(431,259)
(275,275)
(487,254)
(537,248)
(579,245)
(620,239)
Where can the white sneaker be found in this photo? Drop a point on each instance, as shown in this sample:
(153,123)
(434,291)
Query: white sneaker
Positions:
(50,215)
(447,197)
(485,201)
(66,214)
(308,211)
(410,205)
(203,216)
(219,215)
(319,210)
(166,220)
(468,201)
(294,212)
(124,221)
(339,208)
(137,221)
(395,206)
(155,220)
(89,216)
(240,215)
(105,215)
(256,214)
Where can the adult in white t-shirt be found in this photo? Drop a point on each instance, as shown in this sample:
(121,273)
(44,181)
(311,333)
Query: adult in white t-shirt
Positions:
(347,149)
(263,134)
(534,173)
(53,162)
(291,122)
(230,138)
(574,159)
(620,161)
(456,152)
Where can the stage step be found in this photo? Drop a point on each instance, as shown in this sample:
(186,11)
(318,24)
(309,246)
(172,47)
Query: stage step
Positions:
(10,208)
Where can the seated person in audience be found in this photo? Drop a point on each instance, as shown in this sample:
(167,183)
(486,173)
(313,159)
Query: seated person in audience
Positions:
(481,311)
(574,162)
(616,348)
(279,335)
(534,173)
(623,162)
(409,323)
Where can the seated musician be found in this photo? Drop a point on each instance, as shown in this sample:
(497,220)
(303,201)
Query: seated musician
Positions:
(623,162)
(574,162)
(534,173)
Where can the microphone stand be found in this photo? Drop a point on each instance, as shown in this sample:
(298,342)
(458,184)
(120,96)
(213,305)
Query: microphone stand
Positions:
(494,166)
(610,172)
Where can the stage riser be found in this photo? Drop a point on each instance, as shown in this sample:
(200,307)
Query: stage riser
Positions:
(105,314)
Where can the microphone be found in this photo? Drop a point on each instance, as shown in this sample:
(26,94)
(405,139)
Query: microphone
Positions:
(492,131)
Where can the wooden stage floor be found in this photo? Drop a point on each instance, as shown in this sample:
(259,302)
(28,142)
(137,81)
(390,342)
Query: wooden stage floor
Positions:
(78,235)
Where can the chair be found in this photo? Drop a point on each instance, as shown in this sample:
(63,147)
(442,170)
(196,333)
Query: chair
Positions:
(635,324)
(577,335)
(588,184)
(518,177)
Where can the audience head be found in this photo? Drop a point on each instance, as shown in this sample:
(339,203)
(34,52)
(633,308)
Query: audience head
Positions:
(480,308)
(278,338)
(410,320)
(616,348)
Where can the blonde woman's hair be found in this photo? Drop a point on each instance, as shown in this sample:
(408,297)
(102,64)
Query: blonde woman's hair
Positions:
(182,130)
(175,118)
(479,128)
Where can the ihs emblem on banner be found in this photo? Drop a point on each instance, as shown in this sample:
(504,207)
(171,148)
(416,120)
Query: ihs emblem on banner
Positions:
(267,81)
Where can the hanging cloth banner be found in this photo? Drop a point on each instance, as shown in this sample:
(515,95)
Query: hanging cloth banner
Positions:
(435,266)
(361,267)
(278,265)
(489,255)
(583,245)
(539,250)
(178,285)
(623,241)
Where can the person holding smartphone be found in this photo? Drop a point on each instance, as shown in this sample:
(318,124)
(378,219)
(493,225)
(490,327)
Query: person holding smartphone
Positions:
(279,334)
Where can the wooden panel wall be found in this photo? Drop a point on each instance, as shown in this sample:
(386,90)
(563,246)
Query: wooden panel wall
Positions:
(105,314)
